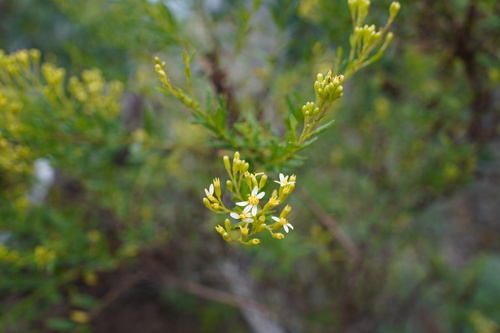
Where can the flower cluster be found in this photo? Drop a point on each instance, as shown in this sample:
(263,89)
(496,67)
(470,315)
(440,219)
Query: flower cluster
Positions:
(367,42)
(251,213)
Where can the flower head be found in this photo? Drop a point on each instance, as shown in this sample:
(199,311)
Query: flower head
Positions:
(245,215)
(284,180)
(253,200)
(210,192)
(283,222)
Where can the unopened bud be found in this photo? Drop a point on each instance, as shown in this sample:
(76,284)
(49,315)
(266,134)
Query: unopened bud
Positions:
(217,187)
(262,181)
(285,211)
(244,232)
(254,241)
(207,204)
(236,159)
(227,224)
(227,165)
(220,229)
(260,228)
(394,9)
(389,37)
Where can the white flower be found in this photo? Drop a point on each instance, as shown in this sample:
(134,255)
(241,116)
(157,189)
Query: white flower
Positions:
(283,222)
(210,192)
(284,180)
(245,215)
(253,200)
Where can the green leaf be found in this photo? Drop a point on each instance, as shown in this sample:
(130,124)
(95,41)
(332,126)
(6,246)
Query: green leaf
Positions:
(308,143)
(324,127)
(61,324)
(291,135)
(83,301)
(220,115)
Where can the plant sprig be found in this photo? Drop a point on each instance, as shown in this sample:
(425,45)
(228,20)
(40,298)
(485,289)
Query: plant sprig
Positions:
(246,190)
(263,146)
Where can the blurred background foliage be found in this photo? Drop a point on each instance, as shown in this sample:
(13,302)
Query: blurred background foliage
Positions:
(396,212)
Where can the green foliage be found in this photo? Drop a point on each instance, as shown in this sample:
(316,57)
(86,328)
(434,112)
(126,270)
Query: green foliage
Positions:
(121,211)
(263,146)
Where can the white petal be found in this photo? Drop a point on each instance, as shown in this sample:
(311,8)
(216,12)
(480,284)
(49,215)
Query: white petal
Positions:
(286,228)
(247,209)
(277,219)
(212,189)
(207,193)
(235,216)
(255,190)
(261,195)
(248,220)
(254,210)
(242,203)
(282,177)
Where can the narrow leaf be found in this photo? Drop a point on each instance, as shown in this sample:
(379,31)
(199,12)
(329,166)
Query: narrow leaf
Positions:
(324,127)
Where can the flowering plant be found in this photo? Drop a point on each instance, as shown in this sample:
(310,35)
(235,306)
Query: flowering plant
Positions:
(251,216)
(262,145)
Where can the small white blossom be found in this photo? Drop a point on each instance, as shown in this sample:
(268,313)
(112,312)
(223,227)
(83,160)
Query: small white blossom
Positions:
(284,180)
(253,200)
(283,222)
(210,191)
(245,215)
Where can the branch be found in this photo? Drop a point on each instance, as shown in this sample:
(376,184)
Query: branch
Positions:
(323,216)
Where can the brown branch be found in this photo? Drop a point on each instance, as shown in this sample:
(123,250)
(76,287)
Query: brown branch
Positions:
(323,216)
(214,294)
(211,63)
(218,77)
(115,293)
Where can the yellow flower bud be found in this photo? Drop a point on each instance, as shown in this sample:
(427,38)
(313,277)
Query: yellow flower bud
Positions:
(217,187)
(207,204)
(244,232)
(227,224)
(260,228)
(263,180)
(278,235)
(253,241)
(394,9)
(79,317)
(220,229)
(285,211)
(353,5)
(389,37)
(236,160)
(226,164)
(273,202)
(254,180)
